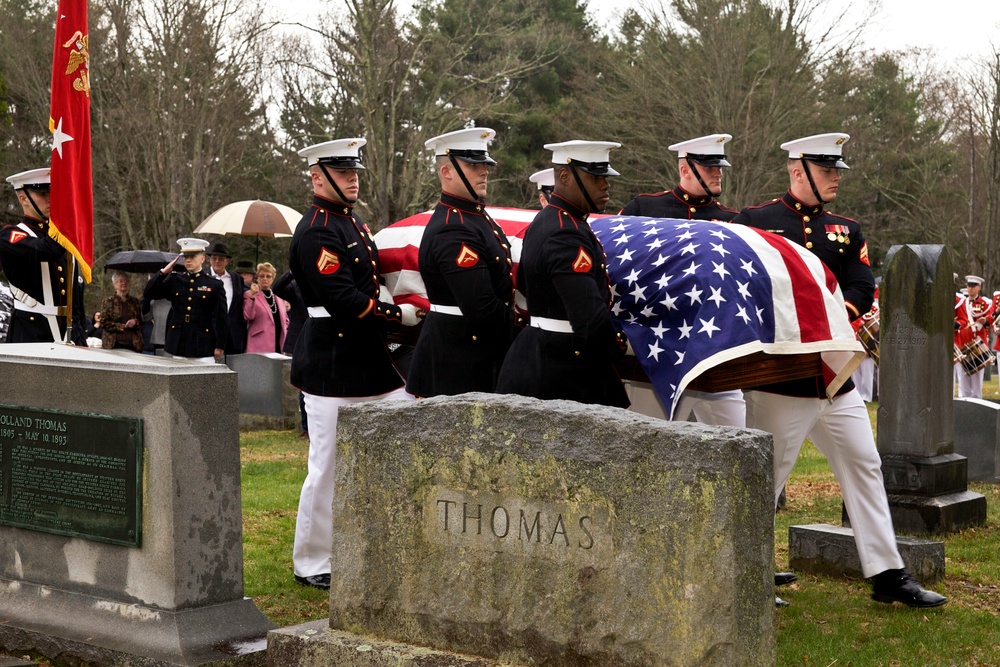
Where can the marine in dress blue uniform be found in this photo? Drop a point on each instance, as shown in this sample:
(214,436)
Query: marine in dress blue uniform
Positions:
(197,326)
(568,350)
(545,182)
(700,163)
(465,263)
(37,268)
(838,425)
(341,356)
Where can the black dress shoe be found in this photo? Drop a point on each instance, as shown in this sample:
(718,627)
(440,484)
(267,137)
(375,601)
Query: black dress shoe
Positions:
(899,586)
(778,602)
(316,581)
(784,578)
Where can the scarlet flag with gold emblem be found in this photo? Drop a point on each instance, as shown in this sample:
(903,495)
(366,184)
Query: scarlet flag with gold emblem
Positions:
(71,213)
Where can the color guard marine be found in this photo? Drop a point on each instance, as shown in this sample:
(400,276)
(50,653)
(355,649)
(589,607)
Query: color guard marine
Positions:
(700,163)
(37,268)
(838,425)
(569,348)
(341,356)
(198,324)
(466,266)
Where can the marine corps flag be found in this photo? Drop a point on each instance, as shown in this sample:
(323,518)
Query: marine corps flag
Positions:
(72,203)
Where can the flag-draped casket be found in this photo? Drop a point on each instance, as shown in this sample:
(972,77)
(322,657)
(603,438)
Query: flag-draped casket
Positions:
(691,296)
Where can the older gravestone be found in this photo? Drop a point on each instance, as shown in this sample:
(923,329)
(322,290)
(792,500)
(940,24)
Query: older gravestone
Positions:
(977,437)
(926,480)
(532,532)
(267,398)
(121,521)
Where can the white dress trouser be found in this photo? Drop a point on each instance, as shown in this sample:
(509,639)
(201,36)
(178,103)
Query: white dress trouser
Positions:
(721,408)
(314,523)
(842,432)
(970,386)
(864,379)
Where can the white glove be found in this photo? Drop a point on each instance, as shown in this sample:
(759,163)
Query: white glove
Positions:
(976,326)
(410,317)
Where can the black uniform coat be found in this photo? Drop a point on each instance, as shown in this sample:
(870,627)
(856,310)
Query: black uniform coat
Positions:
(198,324)
(837,241)
(236,339)
(334,262)
(679,204)
(563,276)
(23,249)
(464,261)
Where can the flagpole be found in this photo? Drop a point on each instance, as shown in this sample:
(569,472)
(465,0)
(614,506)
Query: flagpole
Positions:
(70,286)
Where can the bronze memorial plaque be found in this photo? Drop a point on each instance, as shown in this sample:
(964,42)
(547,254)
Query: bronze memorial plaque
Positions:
(71,474)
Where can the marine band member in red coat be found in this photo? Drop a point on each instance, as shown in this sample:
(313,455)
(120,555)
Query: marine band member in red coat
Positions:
(973,317)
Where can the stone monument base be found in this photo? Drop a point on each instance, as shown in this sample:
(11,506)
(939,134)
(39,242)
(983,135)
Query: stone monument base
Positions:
(39,620)
(950,513)
(8,661)
(316,645)
(824,549)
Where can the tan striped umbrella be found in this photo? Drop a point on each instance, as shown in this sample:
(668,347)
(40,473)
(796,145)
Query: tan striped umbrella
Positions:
(251,218)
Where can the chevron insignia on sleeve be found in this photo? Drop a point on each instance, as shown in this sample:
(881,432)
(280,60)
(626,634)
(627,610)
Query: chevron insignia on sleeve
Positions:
(328,262)
(583,263)
(864,253)
(16,236)
(466,257)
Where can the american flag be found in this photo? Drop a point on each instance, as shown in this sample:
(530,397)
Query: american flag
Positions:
(689,295)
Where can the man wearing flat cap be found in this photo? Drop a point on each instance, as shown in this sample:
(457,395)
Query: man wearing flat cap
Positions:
(973,317)
(341,357)
(218,259)
(197,326)
(37,268)
(838,425)
(700,163)
(568,349)
(465,264)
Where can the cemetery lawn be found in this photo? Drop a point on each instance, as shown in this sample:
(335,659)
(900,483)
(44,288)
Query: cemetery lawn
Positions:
(832,622)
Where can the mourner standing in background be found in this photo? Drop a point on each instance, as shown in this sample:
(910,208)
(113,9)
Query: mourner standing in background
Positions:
(198,322)
(973,317)
(571,343)
(218,259)
(838,425)
(465,264)
(700,163)
(37,269)
(341,357)
(121,317)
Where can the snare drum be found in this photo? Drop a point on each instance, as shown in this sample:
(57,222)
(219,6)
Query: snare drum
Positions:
(976,356)
(868,335)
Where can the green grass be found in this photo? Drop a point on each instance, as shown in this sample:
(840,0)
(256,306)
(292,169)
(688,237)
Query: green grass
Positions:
(832,621)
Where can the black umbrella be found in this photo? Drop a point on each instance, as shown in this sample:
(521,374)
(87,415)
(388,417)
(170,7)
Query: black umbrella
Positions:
(139,261)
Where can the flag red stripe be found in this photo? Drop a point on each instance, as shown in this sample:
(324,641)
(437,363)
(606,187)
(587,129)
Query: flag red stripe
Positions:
(806,292)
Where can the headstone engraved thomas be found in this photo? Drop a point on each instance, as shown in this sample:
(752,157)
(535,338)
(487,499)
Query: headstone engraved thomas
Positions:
(71,474)
(926,480)
(548,532)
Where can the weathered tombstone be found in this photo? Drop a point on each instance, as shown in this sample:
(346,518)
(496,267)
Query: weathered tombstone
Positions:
(121,520)
(533,532)
(926,480)
(977,437)
(267,398)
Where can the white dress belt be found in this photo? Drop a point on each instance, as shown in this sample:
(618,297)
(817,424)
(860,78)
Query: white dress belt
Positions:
(549,324)
(446,310)
(38,308)
(318,311)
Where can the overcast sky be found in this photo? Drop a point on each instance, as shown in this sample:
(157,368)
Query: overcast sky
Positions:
(955,30)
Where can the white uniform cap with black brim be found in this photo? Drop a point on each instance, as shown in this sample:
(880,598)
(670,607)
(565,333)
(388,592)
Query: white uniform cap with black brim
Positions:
(339,153)
(589,156)
(708,151)
(825,150)
(468,145)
